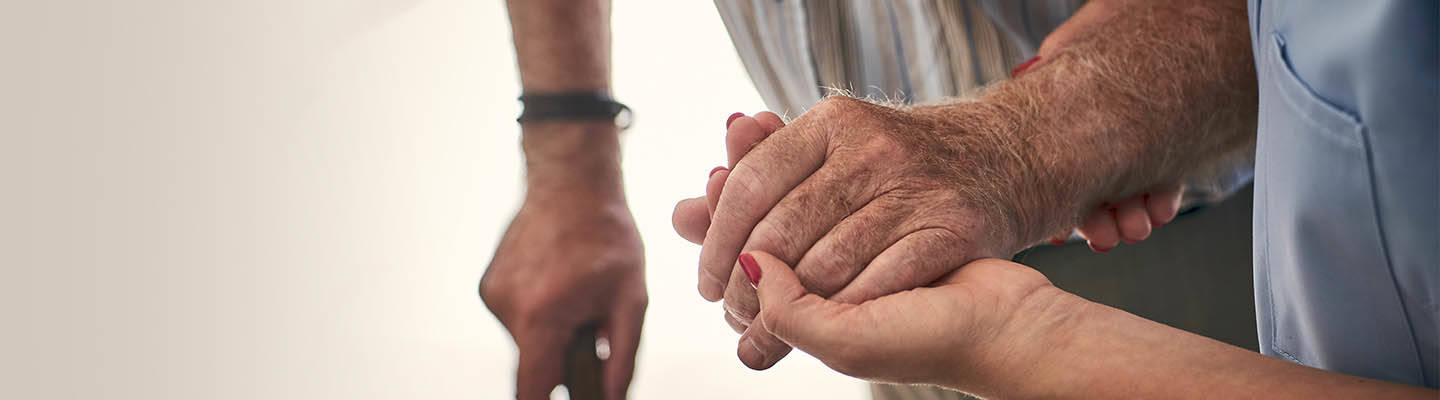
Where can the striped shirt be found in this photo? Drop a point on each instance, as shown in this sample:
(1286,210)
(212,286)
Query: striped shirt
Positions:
(907,51)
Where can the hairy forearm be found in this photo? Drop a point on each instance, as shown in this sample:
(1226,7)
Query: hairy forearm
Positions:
(1137,94)
(1105,353)
(564,46)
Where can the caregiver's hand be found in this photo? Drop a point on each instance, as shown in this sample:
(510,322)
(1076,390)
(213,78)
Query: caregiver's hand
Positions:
(983,319)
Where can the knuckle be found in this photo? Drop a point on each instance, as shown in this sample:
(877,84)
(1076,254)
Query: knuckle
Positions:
(741,312)
(777,237)
(825,271)
(740,197)
(773,319)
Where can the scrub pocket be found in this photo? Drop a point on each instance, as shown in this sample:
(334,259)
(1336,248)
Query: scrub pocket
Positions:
(1322,278)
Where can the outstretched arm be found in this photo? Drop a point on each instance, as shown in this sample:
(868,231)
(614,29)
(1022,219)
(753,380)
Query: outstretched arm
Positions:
(572,257)
(1000,330)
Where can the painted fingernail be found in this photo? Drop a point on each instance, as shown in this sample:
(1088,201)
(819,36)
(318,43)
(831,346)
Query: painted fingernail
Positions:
(732,119)
(717,169)
(1100,250)
(1020,69)
(1057,242)
(752,269)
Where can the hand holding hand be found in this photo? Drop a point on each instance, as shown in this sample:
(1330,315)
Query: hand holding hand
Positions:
(964,332)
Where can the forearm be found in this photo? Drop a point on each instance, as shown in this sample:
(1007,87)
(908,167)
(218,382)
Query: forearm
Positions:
(564,46)
(1105,353)
(1137,94)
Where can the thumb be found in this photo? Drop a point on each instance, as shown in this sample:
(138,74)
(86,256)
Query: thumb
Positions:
(803,320)
(691,219)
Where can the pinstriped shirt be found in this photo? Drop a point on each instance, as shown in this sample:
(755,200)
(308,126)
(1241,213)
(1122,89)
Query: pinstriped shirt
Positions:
(910,51)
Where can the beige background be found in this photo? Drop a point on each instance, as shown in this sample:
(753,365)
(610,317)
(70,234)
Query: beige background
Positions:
(285,199)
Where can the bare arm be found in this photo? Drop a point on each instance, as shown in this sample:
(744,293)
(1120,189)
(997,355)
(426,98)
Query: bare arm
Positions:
(999,329)
(1128,95)
(564,46)
(572,259)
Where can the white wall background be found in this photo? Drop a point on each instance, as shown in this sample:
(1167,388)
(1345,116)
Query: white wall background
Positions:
(279,199)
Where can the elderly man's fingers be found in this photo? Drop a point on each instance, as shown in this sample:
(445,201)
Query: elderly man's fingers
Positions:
(713,188)
(742,135)
(690,219)
(839,256)
(1163,204)
(1100,230)
(769,122)
(760,350)
(918,259)
(624,333)
(740,300)
(1132,219)
(752,189)
(735,324)
(800,319)
(542,364)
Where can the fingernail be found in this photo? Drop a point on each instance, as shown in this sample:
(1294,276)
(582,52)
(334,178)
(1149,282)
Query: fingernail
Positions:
(1057,242)
(717,169)
(732,119)
(1154,224)
(1100,250)
(1020,69)
(752,269)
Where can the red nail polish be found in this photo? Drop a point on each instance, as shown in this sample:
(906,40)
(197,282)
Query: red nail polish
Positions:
(751,268)
(1020,69)
(1057,242)
(732,119)
(717,169)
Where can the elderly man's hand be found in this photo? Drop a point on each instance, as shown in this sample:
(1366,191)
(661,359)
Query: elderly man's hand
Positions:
(569,259)
(864,200)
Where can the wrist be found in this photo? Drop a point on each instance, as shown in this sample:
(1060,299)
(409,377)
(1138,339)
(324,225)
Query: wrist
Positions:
(573,158)
(1045,348)
(1008,177)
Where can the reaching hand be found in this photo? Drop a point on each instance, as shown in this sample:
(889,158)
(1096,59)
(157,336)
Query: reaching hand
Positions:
(566,261)
(985,317)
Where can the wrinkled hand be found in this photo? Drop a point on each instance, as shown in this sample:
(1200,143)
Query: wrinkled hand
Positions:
(986,317)
(568,260)
(1105,226)
(864,199)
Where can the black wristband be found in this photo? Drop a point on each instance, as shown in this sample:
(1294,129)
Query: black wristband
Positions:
(573,106)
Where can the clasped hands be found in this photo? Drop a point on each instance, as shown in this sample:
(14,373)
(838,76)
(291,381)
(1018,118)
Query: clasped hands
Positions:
(876,238)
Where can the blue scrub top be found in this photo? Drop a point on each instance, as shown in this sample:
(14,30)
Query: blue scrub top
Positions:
(1347,186)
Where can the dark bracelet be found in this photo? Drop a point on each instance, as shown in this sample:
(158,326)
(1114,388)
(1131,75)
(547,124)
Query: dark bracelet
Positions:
(574,106)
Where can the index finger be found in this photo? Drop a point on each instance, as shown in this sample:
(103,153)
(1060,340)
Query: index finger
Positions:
(757,183)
